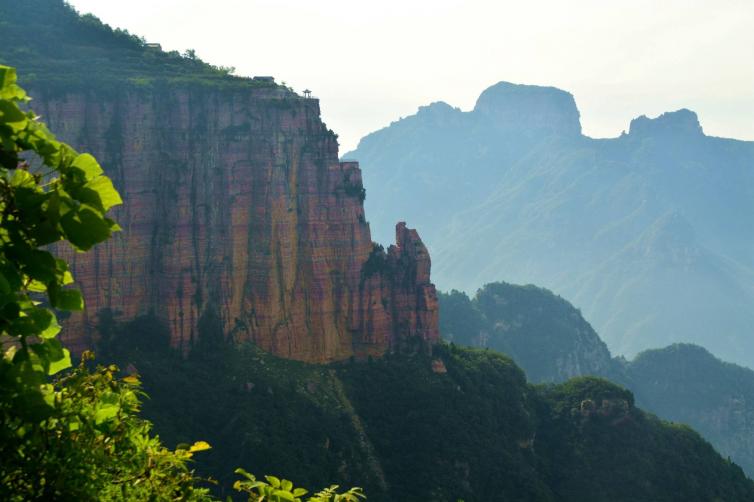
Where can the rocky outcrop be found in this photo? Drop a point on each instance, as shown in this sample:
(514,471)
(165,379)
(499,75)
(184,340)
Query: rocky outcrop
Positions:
(396,295)
(239,219)
(529,109)
(682,123)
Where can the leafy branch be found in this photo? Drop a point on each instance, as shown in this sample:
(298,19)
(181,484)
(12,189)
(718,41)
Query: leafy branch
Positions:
(281,490)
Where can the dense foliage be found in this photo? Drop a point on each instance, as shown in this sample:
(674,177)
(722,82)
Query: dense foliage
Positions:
(265,414)
(459,424)
(598,447)
(685,383)
(93,445)
(552,342)
(69,51)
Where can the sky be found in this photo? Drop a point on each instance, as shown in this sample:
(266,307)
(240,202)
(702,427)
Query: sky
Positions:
(373,62)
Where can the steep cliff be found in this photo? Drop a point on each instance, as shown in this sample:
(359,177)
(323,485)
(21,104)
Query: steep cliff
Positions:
(239,217)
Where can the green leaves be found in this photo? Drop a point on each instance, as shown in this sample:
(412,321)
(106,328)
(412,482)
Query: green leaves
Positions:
(11,115)
(187,451)
(100,194)
(84,424)
(49,356)
(199,446)
(106,407)
(52,329)
(39,265)
(66,299)
(97,191)
(8,88)
(64,199)
(279,490)
(87,166)
(60,363)
(85,228)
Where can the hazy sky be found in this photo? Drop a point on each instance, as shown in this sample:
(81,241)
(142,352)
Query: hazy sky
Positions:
(373,62)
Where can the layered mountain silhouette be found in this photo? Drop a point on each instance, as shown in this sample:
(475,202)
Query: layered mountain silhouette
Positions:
(650,234)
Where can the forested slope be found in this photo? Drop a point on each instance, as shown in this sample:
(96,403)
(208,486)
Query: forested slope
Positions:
(458,424)
(551,341)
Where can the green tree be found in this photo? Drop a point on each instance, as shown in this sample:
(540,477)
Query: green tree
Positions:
(282,490)
(77,437)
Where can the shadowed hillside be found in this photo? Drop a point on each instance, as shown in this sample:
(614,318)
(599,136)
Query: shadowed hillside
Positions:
(552,342)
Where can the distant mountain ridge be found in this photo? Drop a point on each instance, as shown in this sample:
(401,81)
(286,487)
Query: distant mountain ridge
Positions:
(649,233)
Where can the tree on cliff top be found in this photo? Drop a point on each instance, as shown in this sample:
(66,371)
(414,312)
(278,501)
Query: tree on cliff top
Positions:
(72,50)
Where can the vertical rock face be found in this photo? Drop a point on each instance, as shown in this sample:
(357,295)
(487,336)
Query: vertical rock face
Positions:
(396,298)
(239,217)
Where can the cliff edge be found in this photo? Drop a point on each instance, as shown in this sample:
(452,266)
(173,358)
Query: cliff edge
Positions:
(239,218)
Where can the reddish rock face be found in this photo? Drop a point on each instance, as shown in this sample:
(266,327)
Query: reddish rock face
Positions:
(236,209)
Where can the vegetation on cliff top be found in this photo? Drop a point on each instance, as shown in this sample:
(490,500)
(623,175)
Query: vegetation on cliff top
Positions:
(69,51)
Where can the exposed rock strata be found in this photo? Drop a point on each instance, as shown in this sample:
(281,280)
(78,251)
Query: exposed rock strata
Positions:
(238,215)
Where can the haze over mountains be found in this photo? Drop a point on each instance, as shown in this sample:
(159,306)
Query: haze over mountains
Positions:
(650,233)
(246,294)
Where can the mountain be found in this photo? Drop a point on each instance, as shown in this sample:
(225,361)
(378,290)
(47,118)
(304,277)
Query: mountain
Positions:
(456,424)
(648,233)
(237,212)
(542,332)
(685,383)
(552,342)
(52,45)
(244,239)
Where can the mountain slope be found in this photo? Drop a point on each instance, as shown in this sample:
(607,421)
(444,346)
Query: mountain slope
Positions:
(552,342)
(648,233)
(52,45)
(459,424)
(687,384)
(542,332)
